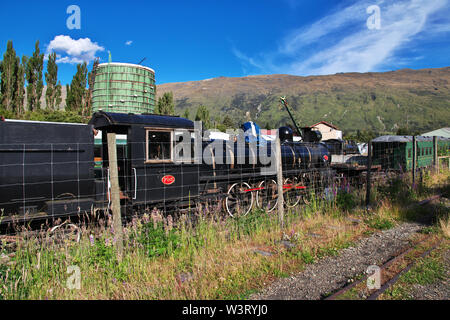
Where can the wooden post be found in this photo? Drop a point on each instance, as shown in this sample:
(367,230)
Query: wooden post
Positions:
(115,193)
(435,154)
(414,164)
(421,177)
(369,169)
(279,180)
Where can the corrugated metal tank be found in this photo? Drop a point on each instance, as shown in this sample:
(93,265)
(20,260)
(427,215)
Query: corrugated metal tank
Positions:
(124,88)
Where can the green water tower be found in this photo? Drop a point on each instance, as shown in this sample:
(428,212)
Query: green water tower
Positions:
(124,88)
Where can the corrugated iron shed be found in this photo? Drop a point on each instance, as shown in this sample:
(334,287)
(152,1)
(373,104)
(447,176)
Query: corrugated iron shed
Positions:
(443,132)
(404,138)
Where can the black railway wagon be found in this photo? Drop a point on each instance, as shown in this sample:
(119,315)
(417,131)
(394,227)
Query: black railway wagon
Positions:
(45,167)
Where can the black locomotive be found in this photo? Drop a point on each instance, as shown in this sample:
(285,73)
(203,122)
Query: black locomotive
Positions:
(47,170)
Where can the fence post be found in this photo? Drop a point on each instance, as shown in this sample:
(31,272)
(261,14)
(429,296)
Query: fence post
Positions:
(115,193)
(369,169)
(435,154)
(279,180)
(414,164)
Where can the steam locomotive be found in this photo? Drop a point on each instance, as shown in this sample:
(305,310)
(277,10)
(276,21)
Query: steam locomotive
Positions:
(47,170)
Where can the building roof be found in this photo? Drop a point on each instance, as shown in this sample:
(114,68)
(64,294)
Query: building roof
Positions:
(400,139)
(325,123)
(442,132)
(103,119)
(45,122)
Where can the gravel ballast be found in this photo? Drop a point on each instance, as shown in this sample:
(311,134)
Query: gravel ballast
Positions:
(332,273)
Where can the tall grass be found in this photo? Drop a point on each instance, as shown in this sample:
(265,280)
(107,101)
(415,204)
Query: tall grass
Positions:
(201,255)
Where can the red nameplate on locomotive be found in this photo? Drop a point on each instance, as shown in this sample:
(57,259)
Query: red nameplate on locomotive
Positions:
(168,180)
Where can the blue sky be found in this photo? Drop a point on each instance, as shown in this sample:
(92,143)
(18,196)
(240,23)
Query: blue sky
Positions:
(195,40)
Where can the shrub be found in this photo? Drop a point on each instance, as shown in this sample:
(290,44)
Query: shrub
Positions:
(380,223)
(345,201)
(156,240)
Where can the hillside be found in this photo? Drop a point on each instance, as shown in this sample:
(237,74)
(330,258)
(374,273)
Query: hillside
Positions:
(352,101)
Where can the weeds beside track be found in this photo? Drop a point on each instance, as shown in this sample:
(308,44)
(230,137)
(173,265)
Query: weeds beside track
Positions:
(214,259)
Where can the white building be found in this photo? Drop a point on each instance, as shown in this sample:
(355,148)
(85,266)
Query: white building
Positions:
(328,130)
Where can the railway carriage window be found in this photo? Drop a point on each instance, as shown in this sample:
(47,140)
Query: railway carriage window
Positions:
(409,153)
(159,146)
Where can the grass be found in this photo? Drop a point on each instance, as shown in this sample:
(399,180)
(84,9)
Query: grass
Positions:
(427,271)
(211,259)
(444,225)
(380,223)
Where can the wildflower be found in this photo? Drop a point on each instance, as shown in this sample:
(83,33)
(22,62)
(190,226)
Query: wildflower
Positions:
(169,223)
(91,239)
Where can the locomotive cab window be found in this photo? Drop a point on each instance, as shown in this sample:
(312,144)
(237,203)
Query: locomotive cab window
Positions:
(159,146)
(184,146)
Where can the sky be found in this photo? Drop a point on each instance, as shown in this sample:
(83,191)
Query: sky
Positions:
(195,40)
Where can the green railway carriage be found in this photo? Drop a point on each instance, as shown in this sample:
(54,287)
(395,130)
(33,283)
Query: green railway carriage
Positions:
(396,152)
(121,141)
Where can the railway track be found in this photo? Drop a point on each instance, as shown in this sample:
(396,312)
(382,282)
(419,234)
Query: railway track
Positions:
(390,276)
(390,272)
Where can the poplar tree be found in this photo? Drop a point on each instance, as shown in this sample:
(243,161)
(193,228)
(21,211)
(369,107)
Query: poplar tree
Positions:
(228,122)
(76,92)
(51,77)
(33,73)
(203,115)
(165,104)
(20,85)
(91,81)
(58,98)
(8,77)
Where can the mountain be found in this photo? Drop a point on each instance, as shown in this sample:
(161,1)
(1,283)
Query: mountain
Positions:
(383,102)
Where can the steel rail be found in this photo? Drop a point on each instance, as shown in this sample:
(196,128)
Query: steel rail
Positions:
(389,262)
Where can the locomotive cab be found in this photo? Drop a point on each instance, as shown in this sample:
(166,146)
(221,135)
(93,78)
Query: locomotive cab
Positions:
(150,169)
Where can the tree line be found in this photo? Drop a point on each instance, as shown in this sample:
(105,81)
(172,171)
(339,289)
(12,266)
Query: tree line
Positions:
(166,106)
(23,78)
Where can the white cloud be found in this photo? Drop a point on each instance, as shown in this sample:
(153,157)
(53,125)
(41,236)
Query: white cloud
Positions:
(128,43)
(73,51)
(341,41)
